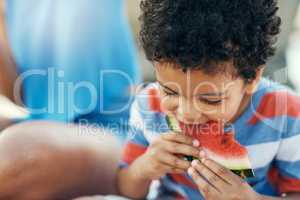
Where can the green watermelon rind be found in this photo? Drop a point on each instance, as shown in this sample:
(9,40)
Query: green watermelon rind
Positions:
(245,173)
(240,166)
(231,163)
(173,124)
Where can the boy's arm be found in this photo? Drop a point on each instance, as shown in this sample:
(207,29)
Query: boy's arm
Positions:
(129,179)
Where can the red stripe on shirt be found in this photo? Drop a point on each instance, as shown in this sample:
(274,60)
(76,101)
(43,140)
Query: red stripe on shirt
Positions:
(132,151)
(179,197)
(154,100)
(181,179)
(282,183)
(276,104)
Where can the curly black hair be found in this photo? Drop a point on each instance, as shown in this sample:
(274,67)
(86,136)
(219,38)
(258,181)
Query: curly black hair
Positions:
(194,34)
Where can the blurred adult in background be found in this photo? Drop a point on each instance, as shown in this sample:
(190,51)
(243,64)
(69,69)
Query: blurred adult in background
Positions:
(277,66)
(293,53)
(75,62)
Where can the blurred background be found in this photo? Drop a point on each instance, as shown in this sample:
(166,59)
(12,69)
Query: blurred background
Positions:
(283,67)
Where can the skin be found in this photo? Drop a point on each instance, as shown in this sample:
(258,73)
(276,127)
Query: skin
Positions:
(222,183)
(158,160)
(51,161)
(8,73)
(193,97)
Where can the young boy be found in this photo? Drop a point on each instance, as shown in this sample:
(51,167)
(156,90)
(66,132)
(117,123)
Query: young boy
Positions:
(209,56)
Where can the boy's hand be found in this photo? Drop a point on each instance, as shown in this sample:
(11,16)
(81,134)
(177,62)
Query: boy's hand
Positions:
(165,155)
(217,182)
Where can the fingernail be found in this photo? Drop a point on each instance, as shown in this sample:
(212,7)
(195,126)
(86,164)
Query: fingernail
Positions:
(203,160)
(195,163)
(196,143)
(202,154)
(190,171)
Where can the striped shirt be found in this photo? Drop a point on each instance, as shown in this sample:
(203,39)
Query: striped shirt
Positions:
(269,128)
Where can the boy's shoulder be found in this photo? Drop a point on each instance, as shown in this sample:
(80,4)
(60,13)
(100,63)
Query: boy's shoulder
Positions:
(277,99)
(146,113)
(269,86)
(273,101)
(145,97)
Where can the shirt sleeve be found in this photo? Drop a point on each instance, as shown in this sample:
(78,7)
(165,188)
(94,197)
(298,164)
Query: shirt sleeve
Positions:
(137,143)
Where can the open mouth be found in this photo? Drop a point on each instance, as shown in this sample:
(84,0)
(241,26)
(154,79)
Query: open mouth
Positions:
(193,123)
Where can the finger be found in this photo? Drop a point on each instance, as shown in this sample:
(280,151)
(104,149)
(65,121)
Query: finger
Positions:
(220,170)
(171,169)
(178,171)
(204,187)
(180,138)
(173,161)
(209,175)
(177,148)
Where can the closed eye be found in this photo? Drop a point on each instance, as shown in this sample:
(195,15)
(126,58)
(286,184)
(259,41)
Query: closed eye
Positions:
(168,93)
(211,102)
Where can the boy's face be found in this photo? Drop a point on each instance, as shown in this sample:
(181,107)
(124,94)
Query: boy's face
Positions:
(194,97)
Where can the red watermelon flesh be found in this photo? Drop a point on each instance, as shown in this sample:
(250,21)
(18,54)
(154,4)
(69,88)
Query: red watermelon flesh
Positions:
(219,146)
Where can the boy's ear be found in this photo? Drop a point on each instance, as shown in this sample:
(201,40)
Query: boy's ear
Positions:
(251,87)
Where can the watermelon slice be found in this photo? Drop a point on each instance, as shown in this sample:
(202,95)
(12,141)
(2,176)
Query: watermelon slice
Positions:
(218,145)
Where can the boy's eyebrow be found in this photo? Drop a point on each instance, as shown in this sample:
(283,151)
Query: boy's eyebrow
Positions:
(166,87)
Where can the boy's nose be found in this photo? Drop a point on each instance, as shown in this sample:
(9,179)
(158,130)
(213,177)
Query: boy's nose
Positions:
(189,114)
(188,119)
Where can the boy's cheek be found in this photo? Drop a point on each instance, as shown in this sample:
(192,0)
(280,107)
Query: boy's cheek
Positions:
(169,104)
(222,113)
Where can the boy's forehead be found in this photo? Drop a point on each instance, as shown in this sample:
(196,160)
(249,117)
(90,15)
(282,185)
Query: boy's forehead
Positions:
(193,79)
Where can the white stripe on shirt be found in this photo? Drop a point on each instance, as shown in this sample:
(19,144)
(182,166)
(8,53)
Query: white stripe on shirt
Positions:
(287,146)
(262,154)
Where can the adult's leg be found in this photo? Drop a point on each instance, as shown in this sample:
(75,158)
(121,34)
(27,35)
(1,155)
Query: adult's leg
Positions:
(45,160)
